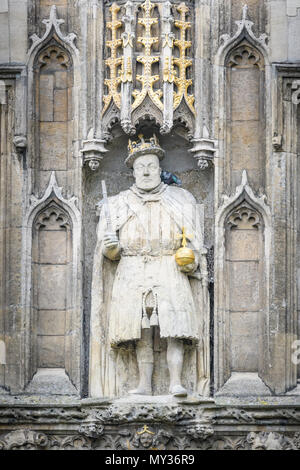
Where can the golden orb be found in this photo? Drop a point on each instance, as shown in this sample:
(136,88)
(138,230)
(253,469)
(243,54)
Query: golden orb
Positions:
(184,256)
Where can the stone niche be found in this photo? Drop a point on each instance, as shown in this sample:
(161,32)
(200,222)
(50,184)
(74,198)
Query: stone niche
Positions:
(51,347)
(244,265)
(118,177)
(245,115)
(242,312)
(53,111)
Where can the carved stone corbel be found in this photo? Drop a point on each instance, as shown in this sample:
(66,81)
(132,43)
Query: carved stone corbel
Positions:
(20,143)
(92,151)
(277,142)
(203,150)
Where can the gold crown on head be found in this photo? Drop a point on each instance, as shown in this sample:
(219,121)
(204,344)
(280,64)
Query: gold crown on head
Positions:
(142,147)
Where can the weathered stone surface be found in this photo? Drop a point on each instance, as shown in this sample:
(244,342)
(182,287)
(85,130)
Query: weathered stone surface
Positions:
(246,145)
(244,245)
(18,23)
(46,97)
(244,286)
(51,322)
(55,380)
(53,145)
(246,119)
(242,384)
(4,36)
(245,94)
(244,350)
(53,246)
(293,38)
(51,351)
(60,105)
(52,286)
(279,31)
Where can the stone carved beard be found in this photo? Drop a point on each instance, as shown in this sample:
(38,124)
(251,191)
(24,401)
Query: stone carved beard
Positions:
(146,171)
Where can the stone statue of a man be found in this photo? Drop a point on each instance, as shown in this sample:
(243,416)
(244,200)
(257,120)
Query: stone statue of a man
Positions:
(149,289)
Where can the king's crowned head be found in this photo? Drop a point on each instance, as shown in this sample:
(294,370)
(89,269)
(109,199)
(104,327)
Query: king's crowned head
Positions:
(143,147)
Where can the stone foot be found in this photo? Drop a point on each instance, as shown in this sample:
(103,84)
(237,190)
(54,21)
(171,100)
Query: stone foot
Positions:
(140,391)
(178,391)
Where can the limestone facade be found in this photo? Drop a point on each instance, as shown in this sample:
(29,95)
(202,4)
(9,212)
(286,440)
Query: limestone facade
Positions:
(219,84)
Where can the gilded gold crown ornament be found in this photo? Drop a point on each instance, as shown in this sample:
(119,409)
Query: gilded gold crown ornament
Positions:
(147,79)
(142,147)
(113,62)
(184,255)
(183,62)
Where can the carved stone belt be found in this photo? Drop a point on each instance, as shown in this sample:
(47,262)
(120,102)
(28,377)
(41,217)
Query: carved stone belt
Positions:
(150,255)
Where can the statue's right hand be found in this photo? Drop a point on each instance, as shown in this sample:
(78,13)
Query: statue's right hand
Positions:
(111,246)
(110,240)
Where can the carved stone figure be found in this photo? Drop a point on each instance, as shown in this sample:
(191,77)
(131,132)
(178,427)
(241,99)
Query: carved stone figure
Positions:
(150,290)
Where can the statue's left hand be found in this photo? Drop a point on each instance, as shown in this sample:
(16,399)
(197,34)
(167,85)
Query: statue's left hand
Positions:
(188,268)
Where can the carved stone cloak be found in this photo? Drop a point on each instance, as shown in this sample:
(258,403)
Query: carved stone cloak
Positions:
(105,380)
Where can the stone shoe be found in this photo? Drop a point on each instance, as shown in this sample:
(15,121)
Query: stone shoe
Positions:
(178,391)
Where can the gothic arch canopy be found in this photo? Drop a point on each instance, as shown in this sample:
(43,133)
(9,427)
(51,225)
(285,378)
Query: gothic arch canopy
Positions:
(244,31)
(53,191)
(52,31)
(243,192)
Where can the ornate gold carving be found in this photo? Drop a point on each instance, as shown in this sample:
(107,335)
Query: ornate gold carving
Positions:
(147,79)
(113,62)
(182,62)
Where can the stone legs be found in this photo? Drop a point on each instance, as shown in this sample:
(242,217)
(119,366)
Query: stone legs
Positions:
(145,359)
(175,353)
